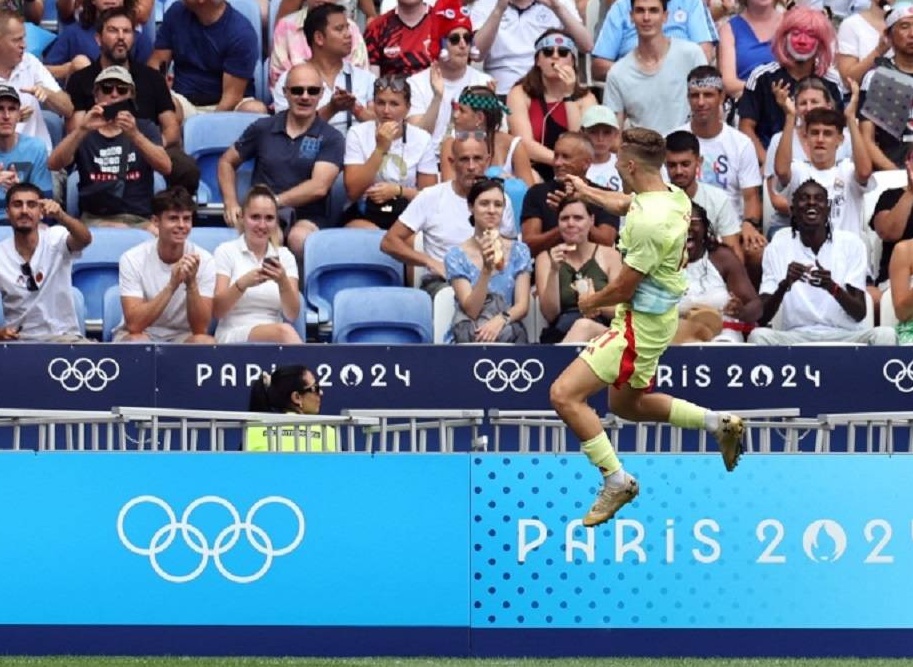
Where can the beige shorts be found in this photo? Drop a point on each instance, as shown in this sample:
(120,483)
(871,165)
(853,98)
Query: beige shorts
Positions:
(120,336)
(123,218)
(190,109)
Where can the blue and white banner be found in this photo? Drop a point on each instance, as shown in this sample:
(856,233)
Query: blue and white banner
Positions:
(816,380)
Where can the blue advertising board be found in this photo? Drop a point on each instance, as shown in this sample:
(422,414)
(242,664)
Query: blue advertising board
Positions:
(482,555)
(816,380)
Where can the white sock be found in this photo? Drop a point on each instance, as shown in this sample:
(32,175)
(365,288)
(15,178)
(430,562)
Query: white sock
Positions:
(617,478)
(712,420)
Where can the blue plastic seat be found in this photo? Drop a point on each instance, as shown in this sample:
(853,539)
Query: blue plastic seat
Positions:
(338,259)
(389,315)
(206,137)
(54,123)
(72,202)
(5,231)
(210,238)
(113,313)
(97,269)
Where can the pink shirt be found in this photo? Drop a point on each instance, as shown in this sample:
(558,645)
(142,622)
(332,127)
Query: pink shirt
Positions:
(290,48)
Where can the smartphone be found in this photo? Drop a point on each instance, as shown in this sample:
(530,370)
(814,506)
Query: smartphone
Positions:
(111,110)
(272,261)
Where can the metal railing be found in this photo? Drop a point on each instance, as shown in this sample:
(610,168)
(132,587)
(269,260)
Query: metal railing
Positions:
(420,431)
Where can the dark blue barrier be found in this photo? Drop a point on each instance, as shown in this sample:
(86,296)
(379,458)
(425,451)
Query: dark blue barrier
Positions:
(817,380)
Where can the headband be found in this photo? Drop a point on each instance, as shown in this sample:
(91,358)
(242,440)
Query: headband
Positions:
(560,41)
(711,81)
(483,102)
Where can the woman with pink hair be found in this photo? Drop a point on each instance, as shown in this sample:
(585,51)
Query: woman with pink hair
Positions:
(802,45)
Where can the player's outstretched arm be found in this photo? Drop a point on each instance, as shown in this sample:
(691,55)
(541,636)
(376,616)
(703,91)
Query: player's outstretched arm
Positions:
(616,203)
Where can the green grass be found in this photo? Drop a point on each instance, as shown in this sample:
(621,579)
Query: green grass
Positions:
(441,662)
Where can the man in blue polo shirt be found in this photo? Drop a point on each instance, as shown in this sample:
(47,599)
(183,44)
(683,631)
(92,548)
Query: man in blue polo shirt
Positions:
(688,19)
(297,154)
(214,49)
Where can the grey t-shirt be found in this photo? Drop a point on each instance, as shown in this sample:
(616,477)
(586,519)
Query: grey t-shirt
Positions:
(658,101)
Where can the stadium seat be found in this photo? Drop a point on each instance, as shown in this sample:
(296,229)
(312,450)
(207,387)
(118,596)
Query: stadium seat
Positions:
(444,308)
(97,269)
(206,137)
(210,238)
(55,126)
(273,19)
(338,259)
(5,231)
(72,200)
(38,39)
(395,315)
(113,313)
(886,309)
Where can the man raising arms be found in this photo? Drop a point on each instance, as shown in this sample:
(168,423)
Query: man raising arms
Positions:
(646,293)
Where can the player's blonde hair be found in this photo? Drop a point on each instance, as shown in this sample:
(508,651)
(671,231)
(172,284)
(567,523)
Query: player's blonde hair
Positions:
(645,146)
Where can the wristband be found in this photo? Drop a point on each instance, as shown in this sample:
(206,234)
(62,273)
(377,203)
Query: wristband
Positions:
(238,287)
(835,290)
(401,191)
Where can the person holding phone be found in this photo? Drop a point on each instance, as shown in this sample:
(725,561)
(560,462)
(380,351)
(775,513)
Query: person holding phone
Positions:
(115,154)
(256,279)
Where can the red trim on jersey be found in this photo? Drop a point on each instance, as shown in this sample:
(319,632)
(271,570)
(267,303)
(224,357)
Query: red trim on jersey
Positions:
(629,356)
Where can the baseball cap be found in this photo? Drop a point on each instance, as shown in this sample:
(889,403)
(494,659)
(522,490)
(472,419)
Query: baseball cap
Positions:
(598,115)
(899,11)
(10,93)
(115,73)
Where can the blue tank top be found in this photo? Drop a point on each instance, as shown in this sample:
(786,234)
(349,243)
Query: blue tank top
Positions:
(749,52)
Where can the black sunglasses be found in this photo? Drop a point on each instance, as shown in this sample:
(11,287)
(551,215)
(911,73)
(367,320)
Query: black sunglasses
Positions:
(298,91)
(312,389)
(108,88)
(395,83)
(456,37)
(30,283)
(550,51)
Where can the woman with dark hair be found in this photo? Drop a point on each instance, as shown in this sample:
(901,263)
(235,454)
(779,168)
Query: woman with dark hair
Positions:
(293,390)
(490,274)
(549,100)
(76,46)
(387,161)
(573,267)
(478,109)
(256,292)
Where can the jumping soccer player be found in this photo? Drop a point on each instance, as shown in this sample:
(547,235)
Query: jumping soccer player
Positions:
(646,293)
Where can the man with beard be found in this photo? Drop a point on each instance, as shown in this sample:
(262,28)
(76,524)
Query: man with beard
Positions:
(718,286)
(36,269)
(573,157)
(115,36)
(814,279)
(296,153)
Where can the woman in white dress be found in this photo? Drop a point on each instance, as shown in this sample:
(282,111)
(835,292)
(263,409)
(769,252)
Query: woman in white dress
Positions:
(256,291)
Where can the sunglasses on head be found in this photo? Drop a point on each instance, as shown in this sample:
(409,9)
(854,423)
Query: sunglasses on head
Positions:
(31,285)
(456,37)
(562,51)
(497,180)
(395,83)
(108,88)
(298,91)
(463,135)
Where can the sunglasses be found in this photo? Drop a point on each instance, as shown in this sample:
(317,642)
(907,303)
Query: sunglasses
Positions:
(298,91)
(312,389)
(550,51)
(497,180)
(456,37)
(30,284)
(395,83)
(463,135)
(108,88)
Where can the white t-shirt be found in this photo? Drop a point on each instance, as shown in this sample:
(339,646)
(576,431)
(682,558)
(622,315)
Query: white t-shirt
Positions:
(605,174)
(806,307)
(719,209)
(729,162)
(443,218)
(512,53)
(658,100)
(362,86)
(844,192)
(144,275)
(857,37)
(26,74)
(404,159)
(49,310)
(260,304)
(422,94)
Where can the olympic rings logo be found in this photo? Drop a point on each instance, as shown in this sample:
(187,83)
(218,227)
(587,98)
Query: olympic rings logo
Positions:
(93,375)
(196,541)
(899,374)
(508,373)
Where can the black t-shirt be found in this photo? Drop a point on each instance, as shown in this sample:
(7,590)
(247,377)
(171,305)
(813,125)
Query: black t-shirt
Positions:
(894,149)
(152,94)
(535,205)
(113,176)
(886,202)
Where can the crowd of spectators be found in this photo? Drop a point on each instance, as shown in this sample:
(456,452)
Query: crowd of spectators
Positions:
(489,129)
